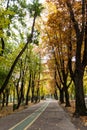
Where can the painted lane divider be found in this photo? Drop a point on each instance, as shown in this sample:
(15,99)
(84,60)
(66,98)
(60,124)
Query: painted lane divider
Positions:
(29,120)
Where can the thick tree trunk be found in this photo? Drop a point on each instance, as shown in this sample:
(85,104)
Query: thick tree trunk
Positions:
(79,94)
(80,63)
(67,98)
(61,95)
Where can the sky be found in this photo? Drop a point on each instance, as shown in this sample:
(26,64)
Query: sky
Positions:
(41,1)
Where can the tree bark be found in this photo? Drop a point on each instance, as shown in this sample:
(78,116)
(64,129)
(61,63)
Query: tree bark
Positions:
(3,99)
(77,75)
(3,46)
(27,95)
(55,94)
(67,98)
(7,96)
(61,95)
(80,107)
(21,98)
(32,89)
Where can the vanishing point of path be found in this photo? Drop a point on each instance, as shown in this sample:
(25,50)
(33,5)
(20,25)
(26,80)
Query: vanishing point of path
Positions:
(47,115)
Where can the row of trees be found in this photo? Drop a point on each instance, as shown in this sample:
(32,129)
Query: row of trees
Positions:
(20,66)
(66,34)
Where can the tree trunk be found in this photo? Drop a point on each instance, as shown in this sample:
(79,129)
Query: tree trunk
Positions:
(61,95)
(21,98)
(38,95)
(80,63)
(17,91)
(27,95)
(7,96)
(67,98)
(3,99)
(56,95)
(32,98)
(79,94)
(3,46)
(33,87)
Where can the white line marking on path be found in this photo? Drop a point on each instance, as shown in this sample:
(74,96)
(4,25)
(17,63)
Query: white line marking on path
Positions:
(43,109)
(36,117)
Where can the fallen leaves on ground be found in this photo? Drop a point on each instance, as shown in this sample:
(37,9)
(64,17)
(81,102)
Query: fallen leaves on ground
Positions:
(71,110)
(7,110)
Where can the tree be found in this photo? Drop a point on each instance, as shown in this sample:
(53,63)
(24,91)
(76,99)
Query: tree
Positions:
(35,9)
(56,38)
(81,60)
(77,14)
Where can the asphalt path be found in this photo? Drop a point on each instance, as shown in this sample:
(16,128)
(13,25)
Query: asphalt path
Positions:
(47,115)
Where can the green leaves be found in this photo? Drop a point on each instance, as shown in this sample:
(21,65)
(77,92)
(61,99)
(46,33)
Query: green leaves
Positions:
(35,8)
(4,17)
(5,20)
(15,19)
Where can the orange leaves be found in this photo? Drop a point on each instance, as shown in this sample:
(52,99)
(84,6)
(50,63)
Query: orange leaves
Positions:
(54,20)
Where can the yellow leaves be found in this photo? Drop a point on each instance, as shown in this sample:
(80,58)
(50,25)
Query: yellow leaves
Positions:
(4,22)
(1,57)
(1,33)
(8,12)
(51,7)
(4,18)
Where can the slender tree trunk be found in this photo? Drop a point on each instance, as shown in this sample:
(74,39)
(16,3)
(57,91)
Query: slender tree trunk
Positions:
(56,95)
(3,100)
(27,95)
(17,87)
(32,89)
(38,89)
(21,98)
(3,46)
(7,96)
(38,95)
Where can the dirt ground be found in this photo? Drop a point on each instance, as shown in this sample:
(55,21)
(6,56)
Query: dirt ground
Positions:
(80,122)
(9,110)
